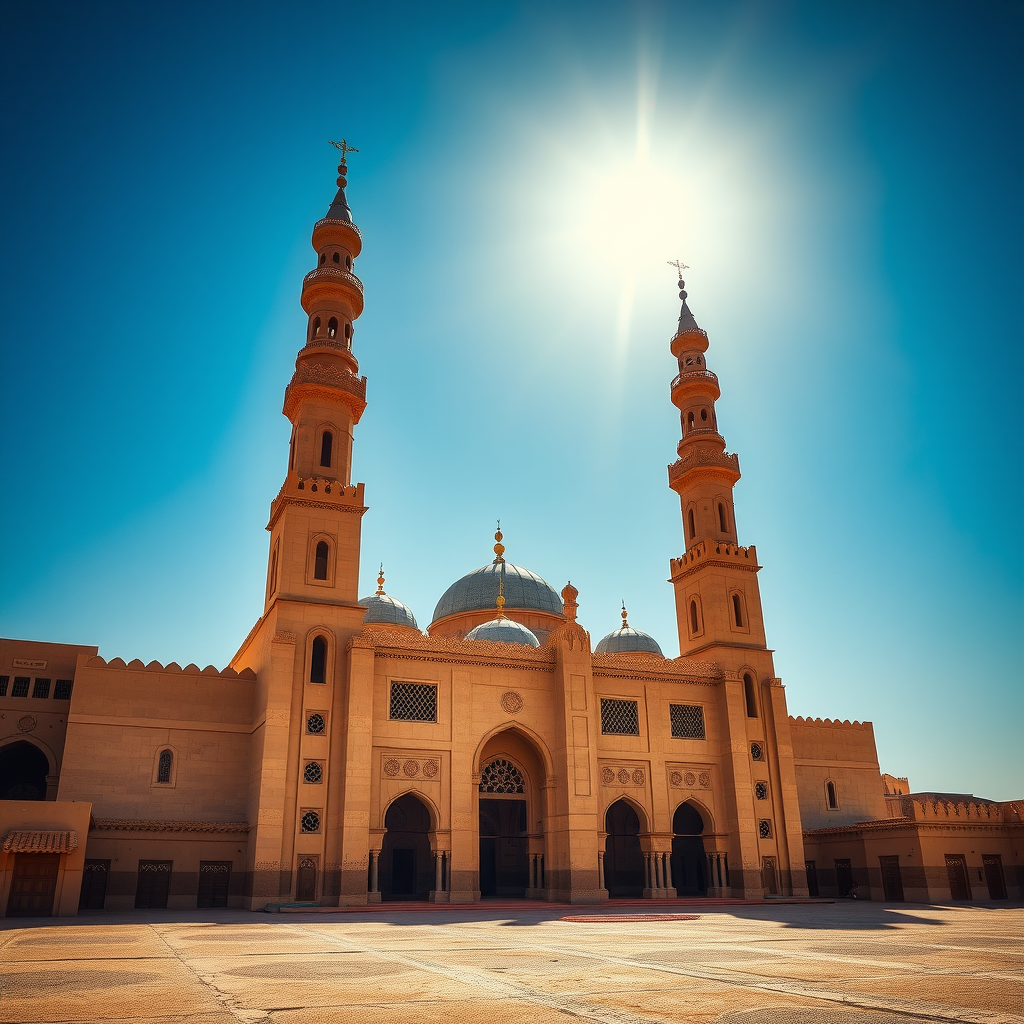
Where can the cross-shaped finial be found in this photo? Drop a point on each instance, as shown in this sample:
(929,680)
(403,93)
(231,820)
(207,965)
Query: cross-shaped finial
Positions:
(679,265)
(344,147)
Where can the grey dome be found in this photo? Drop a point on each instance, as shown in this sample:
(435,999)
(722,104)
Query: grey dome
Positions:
(628,641)
(504,631)
(478,591)
(381,608)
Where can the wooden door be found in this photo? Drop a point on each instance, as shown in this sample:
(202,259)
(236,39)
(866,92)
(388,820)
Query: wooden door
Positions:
(994,876)
(213,883)
(153,884)
(33,885)
(94,885)
(892,880)
(305,887)
(956,870)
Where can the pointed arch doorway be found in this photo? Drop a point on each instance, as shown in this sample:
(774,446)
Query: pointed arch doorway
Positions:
(688,859)
(406,862)
(623,858)
(510,818)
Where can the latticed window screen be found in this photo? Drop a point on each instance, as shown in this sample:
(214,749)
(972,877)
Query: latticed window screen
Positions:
(761,790)
(313,772)
(20,686)
(62,689)
(310,821)
(687,721)
(413,702)
(41,689)
(764,828)
(757,751)
(501,776)
(163,766)
(4,680)
(619,717)
(315,724)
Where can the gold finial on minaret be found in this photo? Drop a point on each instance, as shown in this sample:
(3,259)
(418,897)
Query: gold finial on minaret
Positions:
(500,602)
(499,548)
(624,613)
(345,149)
(380,579)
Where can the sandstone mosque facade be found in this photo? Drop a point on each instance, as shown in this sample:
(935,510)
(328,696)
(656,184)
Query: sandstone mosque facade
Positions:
(347,757)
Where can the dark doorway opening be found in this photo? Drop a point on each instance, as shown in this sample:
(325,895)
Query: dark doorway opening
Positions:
(892,879)
(305,883)
(812,878)
(956,870)
(504,849)
(23,771)
(623,858)
(153,884)
(405,857)
(769,878)
(33,885)
(994,876)
(689,875)
(214,876)
(844,877)
(94,885)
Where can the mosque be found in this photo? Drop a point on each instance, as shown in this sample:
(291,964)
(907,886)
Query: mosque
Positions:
(347,757)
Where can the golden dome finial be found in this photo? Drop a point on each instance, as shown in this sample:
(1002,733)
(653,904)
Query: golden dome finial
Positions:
(500,602)
(499,548)
(624,613)
(380,579)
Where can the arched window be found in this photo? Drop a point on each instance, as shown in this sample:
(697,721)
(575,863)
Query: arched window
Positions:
(830,794)
(737,610)
(348,262)
(320,563)
(273,572)
(721,518)
(326,444)
(689,422)
(323,258)
(348,330)
(704,415)
(316,326)
(502,776)
(164,764)
(291,450)
(748,692)
(694,618)
(336,257)
(332,327)
(318,661)
(691,524)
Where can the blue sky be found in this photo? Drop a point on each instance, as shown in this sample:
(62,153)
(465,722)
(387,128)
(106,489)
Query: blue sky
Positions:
(844,180)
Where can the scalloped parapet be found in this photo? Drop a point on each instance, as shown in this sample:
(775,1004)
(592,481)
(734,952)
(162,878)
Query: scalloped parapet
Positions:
(951,811)
(318,492)
(711,552)
(828,722)
(171,666)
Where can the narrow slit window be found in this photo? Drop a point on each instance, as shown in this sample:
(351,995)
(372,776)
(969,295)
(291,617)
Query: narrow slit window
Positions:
(737,610)
(748,691)
(318,661)
(332,327)
(691,524)
(323,258)
(320,561)
(336,257)
(722,522)
(316,326)
(694,618)
(689,422)
(164,765)
(273,572)
(830,792)
(326,444)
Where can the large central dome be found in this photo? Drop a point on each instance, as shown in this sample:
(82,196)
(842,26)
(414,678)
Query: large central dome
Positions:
(478,591)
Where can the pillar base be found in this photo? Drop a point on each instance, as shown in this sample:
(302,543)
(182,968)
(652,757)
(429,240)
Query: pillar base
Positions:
(438,896)
(659,894)
(536,894)
(373,897)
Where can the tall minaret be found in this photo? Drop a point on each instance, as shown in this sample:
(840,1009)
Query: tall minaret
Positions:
(717,600)
(314,547)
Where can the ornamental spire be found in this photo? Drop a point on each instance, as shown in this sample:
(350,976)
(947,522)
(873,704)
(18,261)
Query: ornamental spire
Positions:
(380,579)
(339,209)
(499,548)
(624,614)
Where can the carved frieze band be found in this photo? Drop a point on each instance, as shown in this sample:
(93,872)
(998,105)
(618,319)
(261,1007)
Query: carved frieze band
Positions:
(410,768)
(690,778)
(626,775)
(134,825)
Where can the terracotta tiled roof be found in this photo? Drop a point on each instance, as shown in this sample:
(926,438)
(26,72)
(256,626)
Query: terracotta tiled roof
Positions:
(24,840)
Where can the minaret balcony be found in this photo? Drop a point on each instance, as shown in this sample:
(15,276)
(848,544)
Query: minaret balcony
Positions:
(325,281)
(705,462)
(711,552)
(696,382)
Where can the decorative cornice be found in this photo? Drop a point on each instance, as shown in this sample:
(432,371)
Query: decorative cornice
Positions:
(342,498)
(141,825)
(648,667)
(701,460)
(891,824)
(720,554)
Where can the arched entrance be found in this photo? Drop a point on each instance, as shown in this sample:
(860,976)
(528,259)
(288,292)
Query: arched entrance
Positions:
(406,865)
(623,858)
(23,771)
(688,860)
(511,818)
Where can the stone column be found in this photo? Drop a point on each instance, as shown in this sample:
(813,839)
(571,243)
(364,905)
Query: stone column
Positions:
(438,871)
(667,869)
(600,870)
(374,855)
(659,882)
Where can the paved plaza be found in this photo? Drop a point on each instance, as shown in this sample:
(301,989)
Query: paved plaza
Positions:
(848,963)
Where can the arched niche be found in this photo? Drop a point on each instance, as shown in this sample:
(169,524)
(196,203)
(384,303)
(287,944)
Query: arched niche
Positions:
(689,862)
(406,862)
(23,771)
(623,858)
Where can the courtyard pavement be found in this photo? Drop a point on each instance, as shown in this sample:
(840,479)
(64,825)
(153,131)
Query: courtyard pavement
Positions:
(842,963)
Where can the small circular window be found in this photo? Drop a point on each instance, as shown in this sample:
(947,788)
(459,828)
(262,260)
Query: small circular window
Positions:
(310,821)
(313,772)
(757,751)
(315,724)
(760,790)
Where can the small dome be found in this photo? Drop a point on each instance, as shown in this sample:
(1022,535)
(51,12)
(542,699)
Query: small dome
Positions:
(477,591)
(504,631)
(382,608)
(628,641)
